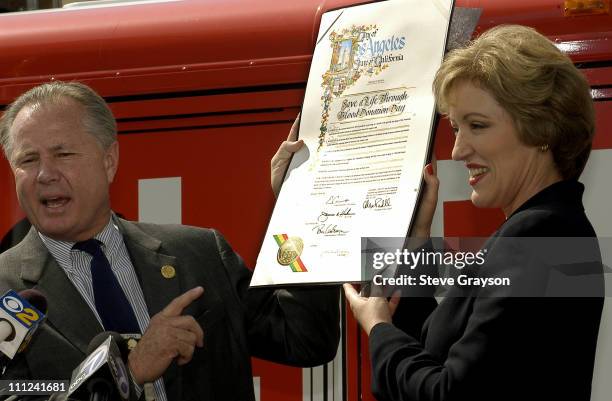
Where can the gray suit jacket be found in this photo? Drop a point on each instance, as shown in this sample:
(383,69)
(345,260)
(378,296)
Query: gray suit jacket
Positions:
(297,326)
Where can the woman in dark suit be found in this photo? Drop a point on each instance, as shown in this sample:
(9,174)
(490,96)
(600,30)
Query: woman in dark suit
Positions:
(524,122)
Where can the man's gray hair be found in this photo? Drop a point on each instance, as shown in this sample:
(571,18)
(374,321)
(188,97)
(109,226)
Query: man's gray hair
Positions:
(97,119)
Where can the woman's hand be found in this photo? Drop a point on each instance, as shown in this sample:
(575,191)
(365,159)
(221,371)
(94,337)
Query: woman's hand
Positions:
(370,311)
(280,161)
(427,207)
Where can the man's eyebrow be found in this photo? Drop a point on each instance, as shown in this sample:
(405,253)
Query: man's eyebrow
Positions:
(27,152)
(59,146)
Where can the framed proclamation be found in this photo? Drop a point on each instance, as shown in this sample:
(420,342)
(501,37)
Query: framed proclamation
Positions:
(367,122)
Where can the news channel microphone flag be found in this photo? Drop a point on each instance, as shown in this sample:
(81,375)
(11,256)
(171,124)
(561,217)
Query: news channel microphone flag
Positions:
(18,321)
(103,374)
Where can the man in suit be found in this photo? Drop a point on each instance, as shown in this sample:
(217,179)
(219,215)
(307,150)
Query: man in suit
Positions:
(182,287)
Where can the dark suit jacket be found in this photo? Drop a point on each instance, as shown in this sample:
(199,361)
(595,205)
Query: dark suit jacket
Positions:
(482,346)
(296,327)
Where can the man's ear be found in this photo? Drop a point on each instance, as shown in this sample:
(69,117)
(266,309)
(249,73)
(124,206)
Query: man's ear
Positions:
(111,160)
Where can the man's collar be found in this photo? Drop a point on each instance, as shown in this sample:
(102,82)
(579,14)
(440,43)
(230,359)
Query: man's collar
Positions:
(110,237)
(134,235)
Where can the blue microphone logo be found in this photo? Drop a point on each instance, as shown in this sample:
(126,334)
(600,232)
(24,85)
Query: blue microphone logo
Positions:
(20,309)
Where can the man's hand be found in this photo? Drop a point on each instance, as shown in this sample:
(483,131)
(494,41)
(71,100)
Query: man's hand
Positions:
(169,335)
(370,311)
(280,161)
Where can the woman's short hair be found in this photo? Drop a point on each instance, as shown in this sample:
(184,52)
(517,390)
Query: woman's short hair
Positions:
(547,97)
(97,118)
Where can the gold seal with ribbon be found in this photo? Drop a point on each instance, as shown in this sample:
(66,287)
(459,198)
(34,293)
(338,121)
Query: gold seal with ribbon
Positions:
(289,251)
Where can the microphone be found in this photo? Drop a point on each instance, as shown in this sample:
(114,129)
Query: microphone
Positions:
(102,376)
(19,319)
(122,342)
(36,298)
(125,343)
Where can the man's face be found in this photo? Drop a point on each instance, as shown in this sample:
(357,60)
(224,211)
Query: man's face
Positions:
(62,174)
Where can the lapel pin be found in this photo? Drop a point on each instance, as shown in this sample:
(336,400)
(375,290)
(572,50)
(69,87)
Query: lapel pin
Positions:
(168,271)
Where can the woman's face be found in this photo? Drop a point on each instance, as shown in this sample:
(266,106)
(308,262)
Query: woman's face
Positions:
(503,172)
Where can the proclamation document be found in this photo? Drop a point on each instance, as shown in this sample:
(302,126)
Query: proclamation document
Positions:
(366,121)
